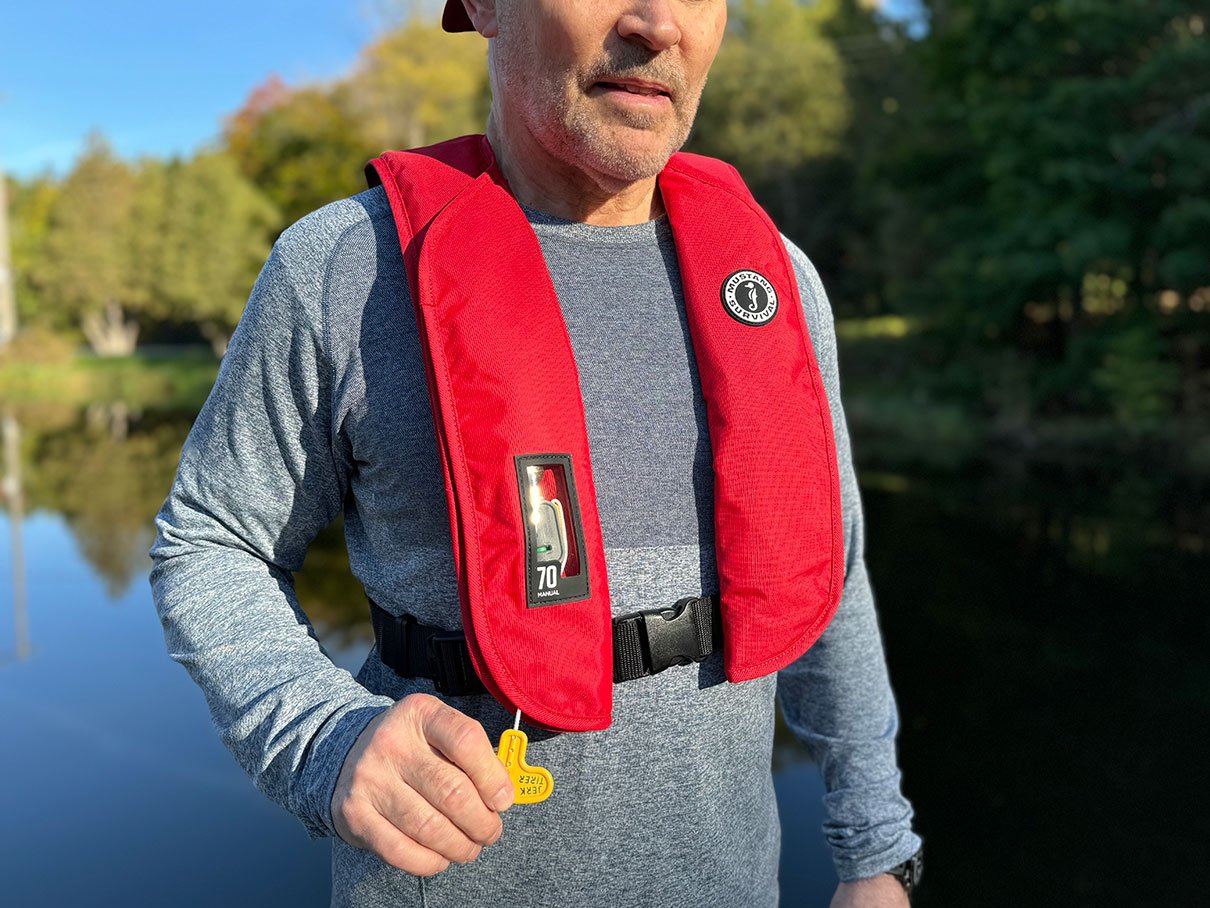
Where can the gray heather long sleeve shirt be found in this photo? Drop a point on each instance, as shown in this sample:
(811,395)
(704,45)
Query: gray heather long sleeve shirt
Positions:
(321,405)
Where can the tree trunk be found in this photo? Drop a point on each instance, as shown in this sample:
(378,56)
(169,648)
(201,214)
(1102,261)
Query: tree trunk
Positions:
(113,418)
(219,338)
(8,302)
(13,495)
(108,332)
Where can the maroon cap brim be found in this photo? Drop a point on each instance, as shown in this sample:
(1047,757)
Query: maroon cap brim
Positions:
(455,19)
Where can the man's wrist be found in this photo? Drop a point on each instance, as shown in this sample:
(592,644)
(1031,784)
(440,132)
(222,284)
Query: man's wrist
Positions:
(909,872)
(328,751)
(879,891)
(890,888)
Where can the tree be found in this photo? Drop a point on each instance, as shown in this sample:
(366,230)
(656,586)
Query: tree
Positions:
(89,270)
(214,234)
(305,147)
(417,85)
(1060,173)
(852,205)
(777,107)
(776,96)
(30,205)
(302,148)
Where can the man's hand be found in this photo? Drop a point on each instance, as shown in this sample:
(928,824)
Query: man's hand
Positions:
(421,787)
(882,891)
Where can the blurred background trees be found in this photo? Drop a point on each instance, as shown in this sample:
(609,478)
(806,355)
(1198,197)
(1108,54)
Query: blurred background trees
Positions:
(89,276)
(1006,198)
(1059,166)
(169,249)
(308,146)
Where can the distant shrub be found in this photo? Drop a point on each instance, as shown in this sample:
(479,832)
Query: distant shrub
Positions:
(37,344)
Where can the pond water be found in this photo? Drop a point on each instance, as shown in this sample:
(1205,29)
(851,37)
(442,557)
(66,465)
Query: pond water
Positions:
(1046,631)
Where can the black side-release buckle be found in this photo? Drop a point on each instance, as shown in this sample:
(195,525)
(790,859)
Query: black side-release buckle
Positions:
(648,642)
(672,636)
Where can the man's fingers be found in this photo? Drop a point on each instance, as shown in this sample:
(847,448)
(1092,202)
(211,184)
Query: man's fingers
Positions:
(452,794)
(410,812)
(412,789)
(397,848)
(465,744)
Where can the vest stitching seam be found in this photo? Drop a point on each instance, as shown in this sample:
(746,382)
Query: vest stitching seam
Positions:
(326,345)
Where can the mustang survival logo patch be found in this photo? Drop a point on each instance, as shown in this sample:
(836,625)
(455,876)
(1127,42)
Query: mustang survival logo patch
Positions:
(748,297)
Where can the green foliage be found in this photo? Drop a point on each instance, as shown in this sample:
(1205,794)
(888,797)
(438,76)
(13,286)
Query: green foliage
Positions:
(853,206)
(302,147)
(1057,171)
(775,106)
(1139,382)
(775,98)
(308,146)
(800,99)
(30,206)
(89,272)
(35,343)
(41,378)
(417,85)
(121,244)
(213,237)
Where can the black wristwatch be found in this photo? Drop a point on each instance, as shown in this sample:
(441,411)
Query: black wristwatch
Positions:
(909,872)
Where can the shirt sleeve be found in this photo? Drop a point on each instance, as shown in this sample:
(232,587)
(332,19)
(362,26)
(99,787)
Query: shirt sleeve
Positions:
(258,479)
(837,697)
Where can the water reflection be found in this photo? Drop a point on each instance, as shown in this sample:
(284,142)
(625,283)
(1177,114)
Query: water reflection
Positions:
(14,501)
(1047,634)
(107,475)
(106,470)
(1045,627)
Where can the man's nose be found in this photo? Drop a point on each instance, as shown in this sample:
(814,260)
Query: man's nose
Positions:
(651,23)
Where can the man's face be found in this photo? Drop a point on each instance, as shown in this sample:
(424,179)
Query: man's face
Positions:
(609,86)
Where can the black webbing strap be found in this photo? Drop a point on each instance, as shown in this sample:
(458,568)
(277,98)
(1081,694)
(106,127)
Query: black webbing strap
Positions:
(414,650)
(644,643)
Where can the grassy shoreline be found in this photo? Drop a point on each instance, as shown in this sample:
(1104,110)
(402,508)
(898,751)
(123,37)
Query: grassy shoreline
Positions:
(890,429)
(889,425)
(179,380)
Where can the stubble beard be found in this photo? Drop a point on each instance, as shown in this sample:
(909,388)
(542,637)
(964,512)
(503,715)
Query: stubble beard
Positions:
(562,118)
(594,143)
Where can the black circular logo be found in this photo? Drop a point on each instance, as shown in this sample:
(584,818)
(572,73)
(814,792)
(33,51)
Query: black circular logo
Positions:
(748,297)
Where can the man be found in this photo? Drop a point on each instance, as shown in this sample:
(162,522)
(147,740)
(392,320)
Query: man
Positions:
(321,404)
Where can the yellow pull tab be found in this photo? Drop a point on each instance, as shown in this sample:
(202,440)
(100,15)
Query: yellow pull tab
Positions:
(531,783)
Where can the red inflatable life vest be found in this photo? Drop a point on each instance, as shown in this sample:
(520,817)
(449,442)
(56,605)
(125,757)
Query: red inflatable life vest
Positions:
(511,432)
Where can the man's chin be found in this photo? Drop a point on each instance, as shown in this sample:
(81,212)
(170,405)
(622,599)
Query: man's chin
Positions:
(627,155)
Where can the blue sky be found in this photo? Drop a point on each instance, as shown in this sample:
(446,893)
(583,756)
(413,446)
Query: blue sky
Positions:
(158,78)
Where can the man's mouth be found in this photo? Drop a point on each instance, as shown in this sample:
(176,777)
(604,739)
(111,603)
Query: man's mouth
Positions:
(635,87)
